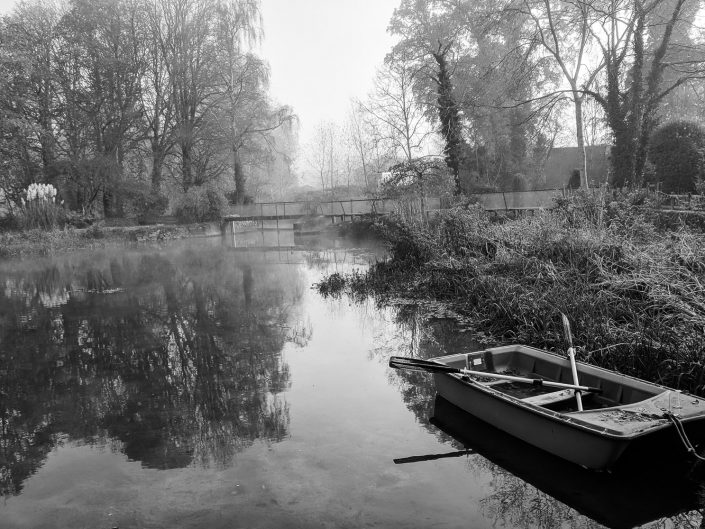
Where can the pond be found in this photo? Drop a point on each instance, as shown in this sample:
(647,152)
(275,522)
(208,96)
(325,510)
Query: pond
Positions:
(206,384)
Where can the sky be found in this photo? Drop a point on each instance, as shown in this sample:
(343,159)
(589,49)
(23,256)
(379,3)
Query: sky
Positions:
(322,53)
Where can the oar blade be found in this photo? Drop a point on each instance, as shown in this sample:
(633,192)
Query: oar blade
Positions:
(417,364)
(566,330)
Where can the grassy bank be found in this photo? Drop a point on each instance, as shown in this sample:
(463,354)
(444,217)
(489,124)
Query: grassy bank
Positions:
(49,242)
(632,290)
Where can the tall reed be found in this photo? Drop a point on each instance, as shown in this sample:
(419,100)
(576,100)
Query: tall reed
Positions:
(39,210)
(39,214)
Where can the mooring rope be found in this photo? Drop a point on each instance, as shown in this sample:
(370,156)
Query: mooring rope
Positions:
(678,424)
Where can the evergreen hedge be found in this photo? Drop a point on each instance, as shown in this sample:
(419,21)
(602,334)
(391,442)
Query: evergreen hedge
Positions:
(677,151)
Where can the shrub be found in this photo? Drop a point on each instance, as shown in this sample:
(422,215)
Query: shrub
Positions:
(408,244)
(94,231)
(427,175)
(519,182)
(574,180)
(677,151)
(200,204)
(144,202)
(234,197)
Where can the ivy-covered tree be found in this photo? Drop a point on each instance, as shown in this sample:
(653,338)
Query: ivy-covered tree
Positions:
(449,115)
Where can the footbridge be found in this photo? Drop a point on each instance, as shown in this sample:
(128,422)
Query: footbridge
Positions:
(342,210)
(335,210)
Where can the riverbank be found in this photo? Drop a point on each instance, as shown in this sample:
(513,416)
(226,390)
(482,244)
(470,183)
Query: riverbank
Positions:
(633,291)
(41,242)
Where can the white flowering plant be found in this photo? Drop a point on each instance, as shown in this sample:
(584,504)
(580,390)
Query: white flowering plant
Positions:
(40,209)
(42,192)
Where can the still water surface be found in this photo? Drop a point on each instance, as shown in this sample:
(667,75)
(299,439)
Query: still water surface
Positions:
(206,385)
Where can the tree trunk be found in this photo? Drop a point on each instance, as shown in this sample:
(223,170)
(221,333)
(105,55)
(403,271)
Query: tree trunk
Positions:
(186,166)
(108,202)
(622,157)
(239,177)
(157,162)
(364,171)
(578,101)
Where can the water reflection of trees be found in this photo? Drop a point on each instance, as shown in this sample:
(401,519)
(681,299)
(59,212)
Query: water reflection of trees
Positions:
(419,332)
(510,500)
(175,359)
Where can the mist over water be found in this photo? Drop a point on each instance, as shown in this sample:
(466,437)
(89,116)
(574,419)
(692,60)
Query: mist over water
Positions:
(207,385)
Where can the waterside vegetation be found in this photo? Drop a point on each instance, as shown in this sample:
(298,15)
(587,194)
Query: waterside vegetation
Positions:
(41,242)
(631,282)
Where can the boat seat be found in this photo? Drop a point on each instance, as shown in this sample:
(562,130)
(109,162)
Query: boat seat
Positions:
(551,398)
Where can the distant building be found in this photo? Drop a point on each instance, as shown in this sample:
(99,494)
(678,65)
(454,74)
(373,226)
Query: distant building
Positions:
(562,161)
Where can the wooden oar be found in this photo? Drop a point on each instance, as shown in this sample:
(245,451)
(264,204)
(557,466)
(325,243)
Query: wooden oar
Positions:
(417,364)
(571,357)
(431,457)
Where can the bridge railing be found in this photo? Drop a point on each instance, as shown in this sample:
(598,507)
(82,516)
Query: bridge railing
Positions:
(331,208)
(495,201)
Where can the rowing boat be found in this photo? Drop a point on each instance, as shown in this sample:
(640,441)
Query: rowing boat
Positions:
(617,410)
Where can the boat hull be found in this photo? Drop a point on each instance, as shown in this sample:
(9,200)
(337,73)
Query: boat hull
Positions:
(560,438)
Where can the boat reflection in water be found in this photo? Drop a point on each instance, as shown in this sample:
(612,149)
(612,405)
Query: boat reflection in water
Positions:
(639,490)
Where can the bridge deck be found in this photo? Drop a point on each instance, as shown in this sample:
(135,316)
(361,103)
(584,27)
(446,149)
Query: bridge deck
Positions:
(239,218)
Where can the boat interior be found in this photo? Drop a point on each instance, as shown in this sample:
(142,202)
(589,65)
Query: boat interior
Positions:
(615,389)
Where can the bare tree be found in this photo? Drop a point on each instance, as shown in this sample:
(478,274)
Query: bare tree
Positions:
(359,139)
(319,151)
(189,51)
(157,98)
(398,111)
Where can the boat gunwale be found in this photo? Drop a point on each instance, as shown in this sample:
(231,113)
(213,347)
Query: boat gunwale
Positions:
(543,352)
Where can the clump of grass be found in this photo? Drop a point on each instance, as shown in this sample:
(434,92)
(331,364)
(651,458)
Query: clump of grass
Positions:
(634,294)
(333,285)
